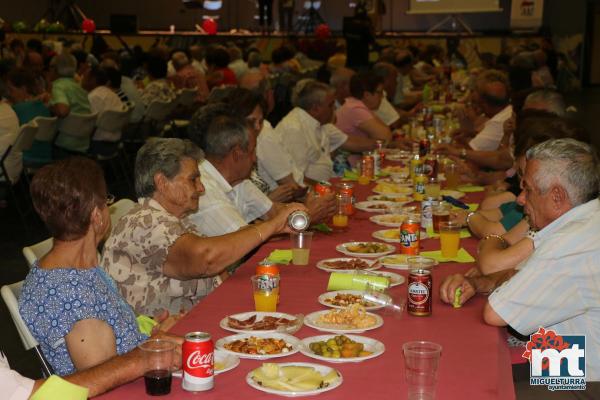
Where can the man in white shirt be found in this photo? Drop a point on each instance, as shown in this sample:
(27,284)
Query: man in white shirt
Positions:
(492,97)
(309,136)
(557,286)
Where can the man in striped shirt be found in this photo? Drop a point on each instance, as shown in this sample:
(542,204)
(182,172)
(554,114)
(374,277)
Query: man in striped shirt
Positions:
(558,286)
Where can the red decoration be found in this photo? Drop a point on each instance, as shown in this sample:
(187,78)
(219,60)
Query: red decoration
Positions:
(210,26)
(322,31)
(88,26)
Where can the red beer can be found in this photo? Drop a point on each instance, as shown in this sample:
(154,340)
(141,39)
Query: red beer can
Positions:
(198,362)
(346,189)
(367,165)
(410,235)
(430,168)
(420,286)
(322,188)
(424,147)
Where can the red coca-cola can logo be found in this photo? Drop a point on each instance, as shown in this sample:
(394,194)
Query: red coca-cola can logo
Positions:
(198,352)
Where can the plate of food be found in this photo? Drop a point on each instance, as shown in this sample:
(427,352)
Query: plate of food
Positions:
(397,155)
(352,319)
(395,261)
(393,235)
(341,348)
(259,346)
(347,264)
(389,220)
(395,279)
(396,170)
(223,362)
(452,193)
(365,249)
(260,321)
(294,379)
(345,298)
(374,206)
(394,188)
(394,180)
(396,199)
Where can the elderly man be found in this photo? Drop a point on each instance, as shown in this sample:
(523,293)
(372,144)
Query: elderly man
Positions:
(231,201)
(309,136)
(557,286)
(68,96)
(153,256)
(188,77)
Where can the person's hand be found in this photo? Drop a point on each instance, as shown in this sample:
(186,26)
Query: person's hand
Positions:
(178,340)
(284,193)
(320,208)
(447,150)
(459,217)
(453,282)
(166,321)
(402,143)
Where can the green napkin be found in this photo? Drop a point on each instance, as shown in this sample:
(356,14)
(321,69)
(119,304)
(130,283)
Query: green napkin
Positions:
(145,324)
(464,233)
(471,188)
(322,227)
(462,257)
(355,281)
(472,207)
(56,388)
(350,175)
(280,256)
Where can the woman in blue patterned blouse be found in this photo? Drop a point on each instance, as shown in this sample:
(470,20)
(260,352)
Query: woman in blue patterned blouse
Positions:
(71,306)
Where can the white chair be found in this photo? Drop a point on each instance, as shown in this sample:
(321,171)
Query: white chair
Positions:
(80,126)
(37,251)
(47,128)
(119,209)
(158,111)
(114,121)
(10,294)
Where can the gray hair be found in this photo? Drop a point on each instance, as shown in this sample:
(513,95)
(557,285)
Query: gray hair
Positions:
(224,134)
(65,65)
(570,163)
(493,76)
(309,93)
(180,60)
(341,76)
(550,100)
(161,156)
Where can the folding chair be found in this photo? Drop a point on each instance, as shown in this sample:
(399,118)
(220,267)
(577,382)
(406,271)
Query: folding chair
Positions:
(119,209)
(10,294)
(77,128)
(37,251)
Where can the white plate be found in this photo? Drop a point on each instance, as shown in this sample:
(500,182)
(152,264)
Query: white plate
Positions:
(323,264)
(312,318)
(395,199)
(395,279)
(381,235)
(371,206)
(328,295)
(288,338)
(259,316)
(387,220)
(395,180)
(322,369)
(392,264)
(342,249)
(229,362)
(374,346)
(392,188)
(453,193)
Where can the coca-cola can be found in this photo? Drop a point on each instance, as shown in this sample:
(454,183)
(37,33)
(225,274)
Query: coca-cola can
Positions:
(420,286)
(198,362)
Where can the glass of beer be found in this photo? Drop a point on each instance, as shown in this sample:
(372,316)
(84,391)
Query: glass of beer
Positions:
(158,359)
(449,238)
(452,176)
(300,242)
(440,213)
(432,188)
(265,289)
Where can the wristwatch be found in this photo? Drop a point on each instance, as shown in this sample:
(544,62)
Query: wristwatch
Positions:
(463,153)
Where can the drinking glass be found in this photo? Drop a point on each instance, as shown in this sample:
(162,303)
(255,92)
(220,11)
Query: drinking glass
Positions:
(300,242)
(450,238)
(158,360)
(421,361)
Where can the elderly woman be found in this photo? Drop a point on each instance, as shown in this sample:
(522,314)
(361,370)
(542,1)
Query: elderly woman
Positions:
(69,303)
(155,258)
(356,116)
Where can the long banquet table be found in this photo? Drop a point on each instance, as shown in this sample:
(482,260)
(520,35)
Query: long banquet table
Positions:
(475,362)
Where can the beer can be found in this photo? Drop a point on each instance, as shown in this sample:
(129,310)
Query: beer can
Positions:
(416,166)
(380,144)
(198,362)
(424,147)
(346,189)
(298,221)
(367,165)
(430,166)
(420,285)
(419,186)
(427,211)
(410,235)
(322,188)
(376,162)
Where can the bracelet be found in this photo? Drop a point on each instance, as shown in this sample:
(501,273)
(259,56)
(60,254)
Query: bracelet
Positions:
(259,234)
(498,237)
(469,215)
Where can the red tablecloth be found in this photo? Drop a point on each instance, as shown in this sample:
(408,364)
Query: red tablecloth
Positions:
(475,362)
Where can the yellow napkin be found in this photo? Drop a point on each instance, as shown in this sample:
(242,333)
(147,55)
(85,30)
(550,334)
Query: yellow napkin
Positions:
(464,233)
(463,256)
(350,175)
(471,188)
(56,388)
(280,256)
(472,207)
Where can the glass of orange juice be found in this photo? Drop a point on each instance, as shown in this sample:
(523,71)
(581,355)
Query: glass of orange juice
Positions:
(266,292)
(449,238)
(452,174)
